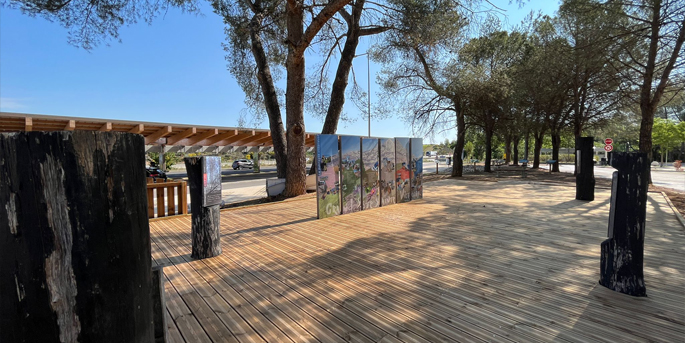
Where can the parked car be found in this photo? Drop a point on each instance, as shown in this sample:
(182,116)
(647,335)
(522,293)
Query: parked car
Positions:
(155,173)
(242,163)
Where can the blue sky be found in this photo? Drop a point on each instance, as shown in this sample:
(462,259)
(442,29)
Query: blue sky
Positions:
(171,71)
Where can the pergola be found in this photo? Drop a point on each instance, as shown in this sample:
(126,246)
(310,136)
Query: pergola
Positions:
(159,137)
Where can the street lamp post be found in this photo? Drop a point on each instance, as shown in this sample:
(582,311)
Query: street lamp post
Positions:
(368,79)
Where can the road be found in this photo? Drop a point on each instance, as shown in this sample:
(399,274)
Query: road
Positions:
(666,177)
(242,185)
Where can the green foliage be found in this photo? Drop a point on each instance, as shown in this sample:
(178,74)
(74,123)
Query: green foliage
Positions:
(667,134)
(169,159)
(444,148)
(469,148)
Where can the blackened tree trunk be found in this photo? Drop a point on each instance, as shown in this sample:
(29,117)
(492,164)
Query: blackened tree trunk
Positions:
(622,255)
(488,150)
(205,231)
(266,82)
(556,144)
(457,161)
(74,238)
(585,178)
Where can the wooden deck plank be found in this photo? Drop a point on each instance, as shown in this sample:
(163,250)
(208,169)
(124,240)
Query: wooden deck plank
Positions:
(291,270)
(314,314)
(232,315)
(199,270)
(485,265)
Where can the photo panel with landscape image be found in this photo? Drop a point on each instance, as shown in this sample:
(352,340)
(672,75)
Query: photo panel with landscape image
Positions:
(370,168)
(416,167)
(387,169)
(351,173)
(402,170)
(327,183)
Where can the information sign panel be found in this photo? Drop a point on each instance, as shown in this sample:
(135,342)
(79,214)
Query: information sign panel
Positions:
(351,173)
(416,167)
(327,183)
(370,168)
(402,170)
(211,183)
(387,167)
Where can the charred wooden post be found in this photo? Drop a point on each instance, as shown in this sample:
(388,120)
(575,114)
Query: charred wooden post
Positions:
(585,167)
(74,238)
(159,304)
(621,267)
(203,179)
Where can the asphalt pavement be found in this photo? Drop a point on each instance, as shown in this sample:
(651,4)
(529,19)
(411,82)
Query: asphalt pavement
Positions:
(663,177)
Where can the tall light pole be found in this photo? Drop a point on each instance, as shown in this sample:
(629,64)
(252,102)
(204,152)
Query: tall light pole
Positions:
(368,79)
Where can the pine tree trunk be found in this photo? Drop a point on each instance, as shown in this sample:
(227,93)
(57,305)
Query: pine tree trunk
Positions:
(556,143)
(517,139)
(295,178)
(205,229)
(74,238)
(342,76)
(272,107)
(537,147)
(488,150)
(507,149)
(457,161)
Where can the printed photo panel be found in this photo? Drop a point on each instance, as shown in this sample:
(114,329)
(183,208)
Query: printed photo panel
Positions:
(402,170)
(351,173)
(387,167)
(370,168)
(416,167)
(327,183)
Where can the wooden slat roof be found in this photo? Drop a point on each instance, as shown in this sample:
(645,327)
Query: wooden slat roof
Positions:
(154,133)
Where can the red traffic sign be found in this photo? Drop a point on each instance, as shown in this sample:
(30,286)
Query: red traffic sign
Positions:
(608,141)
(608,148)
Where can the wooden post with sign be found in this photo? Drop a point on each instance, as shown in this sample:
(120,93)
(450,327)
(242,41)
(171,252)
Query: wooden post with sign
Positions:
(622,254)
(74,238)
(585,165)
(204,179)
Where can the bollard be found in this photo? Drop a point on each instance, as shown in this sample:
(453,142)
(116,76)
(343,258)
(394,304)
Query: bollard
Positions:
(204,178)
(74,238)
(622,254)
(585,179)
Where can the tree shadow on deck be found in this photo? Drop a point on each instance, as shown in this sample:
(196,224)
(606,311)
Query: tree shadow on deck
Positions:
(456,272)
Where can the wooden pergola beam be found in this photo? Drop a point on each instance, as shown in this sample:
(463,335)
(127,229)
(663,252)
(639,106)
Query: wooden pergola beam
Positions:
(261,140)
(238,138)
(196,139)
(71,125)
(158,134)
(137,129)
(106,127)
(221,137)
(177,137)
(28,124)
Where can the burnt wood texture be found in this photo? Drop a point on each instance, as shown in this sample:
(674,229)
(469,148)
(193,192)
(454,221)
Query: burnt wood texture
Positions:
(585,177)
(205,233)
(74,238)
(622,255)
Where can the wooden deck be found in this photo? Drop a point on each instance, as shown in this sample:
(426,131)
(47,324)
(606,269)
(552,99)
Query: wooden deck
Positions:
(473,262)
